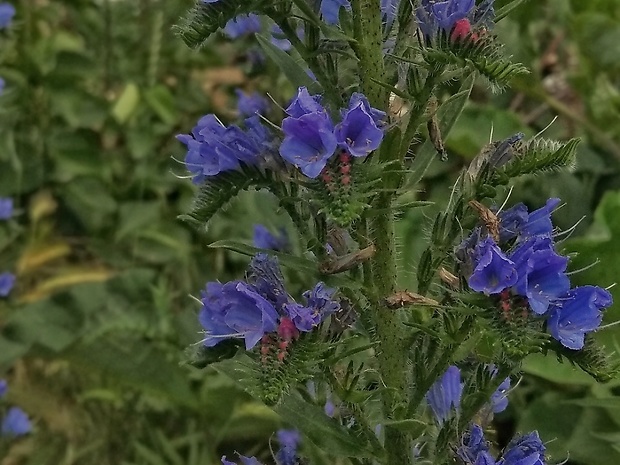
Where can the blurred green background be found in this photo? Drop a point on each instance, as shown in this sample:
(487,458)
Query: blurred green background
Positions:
(93,337)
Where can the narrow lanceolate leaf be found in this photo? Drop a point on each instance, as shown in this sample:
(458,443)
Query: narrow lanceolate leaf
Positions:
(539,155)
(206,18)
(297,74)
(218,191)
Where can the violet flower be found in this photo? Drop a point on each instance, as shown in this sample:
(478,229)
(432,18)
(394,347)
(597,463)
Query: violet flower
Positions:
(15,423)
(330,9)
(445,394)
(289,443)
(7,281)
(524,450)
(493,271)
(242,25)
(6,208)
(358,133)
(263,238)
(235,310)
(251,104)
(577,313)
(7,12)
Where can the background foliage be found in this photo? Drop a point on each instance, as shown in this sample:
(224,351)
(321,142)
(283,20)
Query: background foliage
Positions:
(94,333)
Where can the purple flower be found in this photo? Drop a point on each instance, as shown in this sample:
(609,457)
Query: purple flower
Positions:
(7,11)
(304,103)
(2,84)
(249,105)
(6,208)
(493,272)
(263,239)
(541,271)
(484,458)
(358,133)
(4,386)
(235,310)
(539,221)
(320,299)
(445,394)
(7,281)
(512,221)
(576,313)
(15,423)
(244,460)
(309,142)
(304,318)
(330,9)
(524,450)
(434,15)
(214,148)
(289,442)
(472,444)
(242,25)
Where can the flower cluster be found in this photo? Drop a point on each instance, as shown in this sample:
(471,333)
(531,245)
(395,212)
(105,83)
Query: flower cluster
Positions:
(532,270)
(260,305)
(445,394)
(214,148)
(311,138)
(454,17)
(15,422)
(526,449)
(251,104)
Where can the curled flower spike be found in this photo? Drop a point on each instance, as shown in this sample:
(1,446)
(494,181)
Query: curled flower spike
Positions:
(577,313)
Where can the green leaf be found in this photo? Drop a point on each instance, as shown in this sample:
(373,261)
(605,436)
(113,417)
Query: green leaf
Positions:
(297,74)
(163,104)
(285,259)
(506,9)
(127,103)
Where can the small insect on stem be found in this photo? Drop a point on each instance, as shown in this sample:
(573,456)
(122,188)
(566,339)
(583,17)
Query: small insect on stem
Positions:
(348,261)
(490,219)
(406,298)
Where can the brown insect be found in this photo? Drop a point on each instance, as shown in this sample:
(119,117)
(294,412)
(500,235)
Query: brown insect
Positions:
(406,298)
(490,219)
(348,261)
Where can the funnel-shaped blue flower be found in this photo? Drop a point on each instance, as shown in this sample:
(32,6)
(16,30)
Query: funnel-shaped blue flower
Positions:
(358,133)
(445,394)
(235,310)
(7,281)
(242,25)
(539,221)
(433,15)
(577,313)
(265,240)
(7,11)
(251,104)
(541,270)
(493,271)
(524,450)
(472,445)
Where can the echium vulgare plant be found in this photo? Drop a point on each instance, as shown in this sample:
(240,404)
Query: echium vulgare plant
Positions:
(362,370)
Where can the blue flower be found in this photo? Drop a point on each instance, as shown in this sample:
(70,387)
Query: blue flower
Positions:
(539,221)
(7,11)
(577,313)
(15,423)
(249,105)
(279,39)
(541,271)
(512,221)
(445,394)
(358,133)
(304,103)
(304,318)
(309,142)
(320,299)
(493,271)
(242,25)
(330,9)
(524,450)
(289,442)
(484,458)
(214,148)
(2,85)
(472,444)
(244,460)
(4,386)
(433,15)
(6,208)
(235,310)
(499,399)
(7,281)
(263,238)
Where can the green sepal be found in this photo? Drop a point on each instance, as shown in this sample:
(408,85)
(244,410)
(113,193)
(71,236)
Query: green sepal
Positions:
(592,359)
(540,156)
